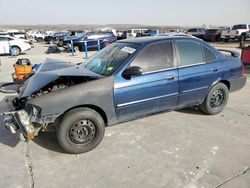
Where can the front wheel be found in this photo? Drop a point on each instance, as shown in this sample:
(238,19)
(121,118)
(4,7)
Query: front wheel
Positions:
(80,131)
(216,100)
(16,50)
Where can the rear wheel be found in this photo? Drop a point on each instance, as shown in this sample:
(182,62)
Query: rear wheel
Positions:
(216,100)
(81,130)
(226,40)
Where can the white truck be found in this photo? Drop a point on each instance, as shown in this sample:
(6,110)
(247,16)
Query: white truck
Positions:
(240,32)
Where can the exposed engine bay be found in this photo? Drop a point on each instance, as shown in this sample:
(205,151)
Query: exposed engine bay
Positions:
(60,83)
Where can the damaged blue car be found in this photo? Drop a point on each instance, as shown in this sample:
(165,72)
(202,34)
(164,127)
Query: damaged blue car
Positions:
(127,80)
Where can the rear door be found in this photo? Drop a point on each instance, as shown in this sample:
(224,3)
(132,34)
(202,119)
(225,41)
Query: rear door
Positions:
(155,90)
(198,69)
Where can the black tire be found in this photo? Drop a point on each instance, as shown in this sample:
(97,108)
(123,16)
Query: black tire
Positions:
(226,40)
(216,99)
(39,39)
(80,131)
(16,50)
(242,37)
(60,43)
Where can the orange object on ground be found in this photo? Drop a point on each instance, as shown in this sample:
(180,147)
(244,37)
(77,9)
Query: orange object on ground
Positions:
(21,71)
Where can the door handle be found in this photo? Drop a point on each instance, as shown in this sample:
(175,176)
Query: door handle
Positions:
(170,78)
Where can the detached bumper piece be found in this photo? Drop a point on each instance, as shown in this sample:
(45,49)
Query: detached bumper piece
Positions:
(19,120)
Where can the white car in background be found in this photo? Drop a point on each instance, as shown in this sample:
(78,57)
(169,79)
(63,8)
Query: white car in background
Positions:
(18,46)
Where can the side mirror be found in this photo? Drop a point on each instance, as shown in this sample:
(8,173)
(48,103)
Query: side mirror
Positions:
(132,71)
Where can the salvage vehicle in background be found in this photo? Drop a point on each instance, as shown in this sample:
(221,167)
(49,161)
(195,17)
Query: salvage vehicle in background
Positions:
(121,35)
(55,36)
(132,33)
(8,43)
(74,36)
(197,32)
(239,32)
(213,34)
(127,80)
(92,39)
(148,33)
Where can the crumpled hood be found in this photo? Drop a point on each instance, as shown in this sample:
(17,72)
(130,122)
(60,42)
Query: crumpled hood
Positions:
(50,71)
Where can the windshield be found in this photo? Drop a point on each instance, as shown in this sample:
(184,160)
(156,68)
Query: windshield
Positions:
(109,59)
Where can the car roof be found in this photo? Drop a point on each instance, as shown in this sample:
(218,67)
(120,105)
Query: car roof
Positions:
(147,40)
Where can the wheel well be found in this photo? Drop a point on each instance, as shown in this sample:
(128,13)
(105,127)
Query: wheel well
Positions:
(227,83)
(93,107)
(16,46)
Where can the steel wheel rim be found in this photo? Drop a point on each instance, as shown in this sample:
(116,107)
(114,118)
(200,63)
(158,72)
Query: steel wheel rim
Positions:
(217,99)
(82,132)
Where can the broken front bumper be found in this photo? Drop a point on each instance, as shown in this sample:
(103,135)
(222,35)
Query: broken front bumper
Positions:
(19,120)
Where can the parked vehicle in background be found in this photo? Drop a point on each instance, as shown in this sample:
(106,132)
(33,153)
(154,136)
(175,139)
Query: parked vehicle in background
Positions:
(127,80)
(70,35)
(240,32)
(176,31)
(54,38)
(17,45)
(197,32)
(213,34)
(15,33)
(74,36)
(121,35)
(148,33)
(39,36)
(133,32)
(92,38)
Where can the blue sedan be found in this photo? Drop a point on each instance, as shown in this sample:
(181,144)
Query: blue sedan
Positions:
(127,80)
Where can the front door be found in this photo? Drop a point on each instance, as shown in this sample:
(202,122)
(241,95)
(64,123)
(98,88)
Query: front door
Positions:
(155,90)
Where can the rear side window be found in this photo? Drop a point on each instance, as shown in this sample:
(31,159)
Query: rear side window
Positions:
(208,55)
(155,57)
(189,52)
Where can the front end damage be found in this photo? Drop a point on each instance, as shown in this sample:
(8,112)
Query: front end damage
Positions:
(26,117)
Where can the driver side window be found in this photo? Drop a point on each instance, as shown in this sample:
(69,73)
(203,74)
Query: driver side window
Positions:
(155,57)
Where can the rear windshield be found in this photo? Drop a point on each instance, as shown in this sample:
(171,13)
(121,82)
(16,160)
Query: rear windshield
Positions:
(239,27)
(109,59)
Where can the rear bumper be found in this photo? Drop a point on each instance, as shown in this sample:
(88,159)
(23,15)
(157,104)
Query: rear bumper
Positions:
(230,36)
(238,83)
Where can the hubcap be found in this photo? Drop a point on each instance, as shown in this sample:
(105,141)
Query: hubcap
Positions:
(217,99)
(82,132)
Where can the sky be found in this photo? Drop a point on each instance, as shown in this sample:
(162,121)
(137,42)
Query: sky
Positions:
(148,12)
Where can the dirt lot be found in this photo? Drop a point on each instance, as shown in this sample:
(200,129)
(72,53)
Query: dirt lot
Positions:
(182,148)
